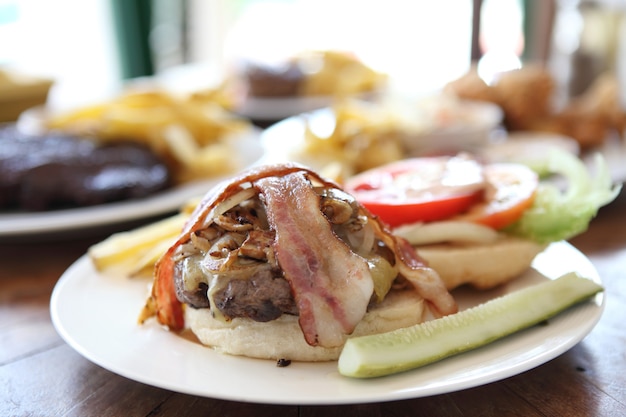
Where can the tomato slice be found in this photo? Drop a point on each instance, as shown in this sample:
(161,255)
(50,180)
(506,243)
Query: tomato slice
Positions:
(442,188)
(510,192)
(419,189)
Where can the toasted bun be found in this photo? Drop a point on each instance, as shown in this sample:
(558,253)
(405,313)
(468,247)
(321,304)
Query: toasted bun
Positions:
(283,339)
(481,265)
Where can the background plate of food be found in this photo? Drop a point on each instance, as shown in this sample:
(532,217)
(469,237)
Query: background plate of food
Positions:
(192,140)
(82,312)
(304,82)
(536,106)
(354,135)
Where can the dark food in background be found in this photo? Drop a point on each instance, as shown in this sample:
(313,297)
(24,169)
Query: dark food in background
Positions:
(274,81)
(55,170)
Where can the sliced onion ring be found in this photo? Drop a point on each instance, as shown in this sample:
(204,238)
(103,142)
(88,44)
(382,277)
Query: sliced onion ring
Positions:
(446,231)
(230,202)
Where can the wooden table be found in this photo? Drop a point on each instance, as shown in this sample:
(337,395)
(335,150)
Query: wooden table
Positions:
(40,375)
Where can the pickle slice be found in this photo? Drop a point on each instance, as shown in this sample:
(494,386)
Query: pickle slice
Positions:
(431,341)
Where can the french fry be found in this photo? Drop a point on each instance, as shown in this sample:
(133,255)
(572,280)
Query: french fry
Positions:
(363,137)
(81,121)
(147,117)
(226,94)
(144,264)
(181,143)
(197,161)
(339,74)
(129,252)
(133,253)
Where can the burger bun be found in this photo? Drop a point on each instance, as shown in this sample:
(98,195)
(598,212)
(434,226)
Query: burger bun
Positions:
(283,339)
(484,265)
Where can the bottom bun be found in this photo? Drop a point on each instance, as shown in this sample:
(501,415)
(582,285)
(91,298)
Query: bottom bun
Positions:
(482,266)
(283,339)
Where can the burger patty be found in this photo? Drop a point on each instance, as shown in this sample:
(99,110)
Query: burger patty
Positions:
(56,170)
(263,297)
(231,266)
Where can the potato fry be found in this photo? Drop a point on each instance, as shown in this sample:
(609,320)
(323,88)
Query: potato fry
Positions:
(82,121)
(364,136)
(196,161)
(130,252)
(227,94)
(339,74)
(147,117)
(181,143)
(144,264)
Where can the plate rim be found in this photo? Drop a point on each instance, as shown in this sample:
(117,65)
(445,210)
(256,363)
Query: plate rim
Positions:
(613,149)
(269,108)
(80,270)
(24,223)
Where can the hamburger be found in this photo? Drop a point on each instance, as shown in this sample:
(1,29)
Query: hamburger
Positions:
(482,224)
(280,263)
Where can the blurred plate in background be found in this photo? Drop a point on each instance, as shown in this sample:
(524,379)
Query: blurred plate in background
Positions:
(266,108)
(360,135)
(247,150)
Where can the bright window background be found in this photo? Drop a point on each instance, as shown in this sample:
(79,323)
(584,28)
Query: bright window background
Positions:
(71,41)
(421,44)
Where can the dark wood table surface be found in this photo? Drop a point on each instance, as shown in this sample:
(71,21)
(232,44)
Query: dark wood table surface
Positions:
(40,375)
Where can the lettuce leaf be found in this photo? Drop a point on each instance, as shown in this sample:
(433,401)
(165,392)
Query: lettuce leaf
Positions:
(560,214)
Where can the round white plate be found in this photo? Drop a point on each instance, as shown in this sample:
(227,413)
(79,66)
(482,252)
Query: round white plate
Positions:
(278,108)
(248,149)
(283,140)
(97,316)
(614,152)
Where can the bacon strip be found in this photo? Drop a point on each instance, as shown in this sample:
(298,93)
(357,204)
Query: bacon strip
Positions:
(167,308)
(332,295)
(331,292)
(425,280)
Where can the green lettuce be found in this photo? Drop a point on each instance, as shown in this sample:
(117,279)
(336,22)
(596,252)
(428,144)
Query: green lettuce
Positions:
(560,213)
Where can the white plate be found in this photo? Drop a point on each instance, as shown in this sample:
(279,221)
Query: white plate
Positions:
(283,140)
(529,147)
(278,108)
(248,148)
(614,152)
(270,108)
(96,315)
